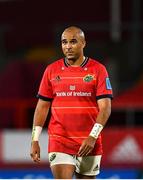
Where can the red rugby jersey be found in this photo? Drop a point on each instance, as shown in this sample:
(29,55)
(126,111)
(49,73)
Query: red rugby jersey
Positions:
(74,92)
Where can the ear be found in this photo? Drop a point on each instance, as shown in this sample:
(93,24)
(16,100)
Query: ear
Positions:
(84,43)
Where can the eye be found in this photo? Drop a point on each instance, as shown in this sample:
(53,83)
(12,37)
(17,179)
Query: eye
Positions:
(73,41)
(64,42)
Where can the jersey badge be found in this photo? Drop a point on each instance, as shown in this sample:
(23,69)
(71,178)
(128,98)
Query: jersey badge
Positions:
(52,157)
(72,87)
(88,78)
(57,78)
(96,168)
(108,84)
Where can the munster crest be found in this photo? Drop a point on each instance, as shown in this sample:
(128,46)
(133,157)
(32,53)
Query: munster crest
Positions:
(88,78)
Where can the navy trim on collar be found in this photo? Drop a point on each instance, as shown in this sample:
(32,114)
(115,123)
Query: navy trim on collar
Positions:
(82,64)
(66,63)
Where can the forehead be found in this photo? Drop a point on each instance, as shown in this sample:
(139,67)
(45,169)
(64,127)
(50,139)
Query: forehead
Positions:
(70,35)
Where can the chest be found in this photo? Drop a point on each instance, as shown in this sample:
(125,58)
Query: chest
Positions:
(74,80)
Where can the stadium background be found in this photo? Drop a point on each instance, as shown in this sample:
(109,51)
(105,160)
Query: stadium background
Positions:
(30,39)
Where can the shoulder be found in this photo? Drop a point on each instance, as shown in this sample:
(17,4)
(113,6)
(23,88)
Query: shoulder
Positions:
(55,65)
(96,63)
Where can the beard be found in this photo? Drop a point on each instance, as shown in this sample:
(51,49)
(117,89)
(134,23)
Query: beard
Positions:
(72,58)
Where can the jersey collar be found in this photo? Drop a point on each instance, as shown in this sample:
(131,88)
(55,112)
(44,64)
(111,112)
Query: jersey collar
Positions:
(82,64)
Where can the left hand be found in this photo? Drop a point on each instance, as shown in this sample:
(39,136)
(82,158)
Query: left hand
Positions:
(35,151)
(87,146)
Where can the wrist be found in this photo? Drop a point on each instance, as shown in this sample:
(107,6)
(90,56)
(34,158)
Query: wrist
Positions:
(96,130)
(36,131)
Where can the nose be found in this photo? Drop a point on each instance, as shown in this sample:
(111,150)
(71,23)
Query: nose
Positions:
(68,45)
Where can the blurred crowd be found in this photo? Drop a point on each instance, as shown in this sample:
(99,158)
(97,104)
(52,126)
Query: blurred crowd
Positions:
(30,39)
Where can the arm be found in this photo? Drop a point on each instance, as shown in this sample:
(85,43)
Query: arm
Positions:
(103,115)
(40,116)
(104,110)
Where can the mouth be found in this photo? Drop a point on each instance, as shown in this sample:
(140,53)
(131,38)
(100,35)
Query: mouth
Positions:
(69,53)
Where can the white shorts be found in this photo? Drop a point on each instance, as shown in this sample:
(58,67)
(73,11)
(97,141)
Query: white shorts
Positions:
(87,165)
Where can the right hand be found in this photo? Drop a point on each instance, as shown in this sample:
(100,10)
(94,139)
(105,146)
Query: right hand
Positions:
(35,151)
(86,146)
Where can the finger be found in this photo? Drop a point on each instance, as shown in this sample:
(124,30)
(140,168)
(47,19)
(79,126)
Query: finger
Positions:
(38,154)
(36,158)
(81,149)
(32,154)
(88,152)
(84,151)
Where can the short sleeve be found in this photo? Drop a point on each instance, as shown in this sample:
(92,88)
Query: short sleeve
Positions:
(45,90)
(103,88)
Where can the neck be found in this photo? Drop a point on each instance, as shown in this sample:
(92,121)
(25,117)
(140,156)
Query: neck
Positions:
(77,62)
